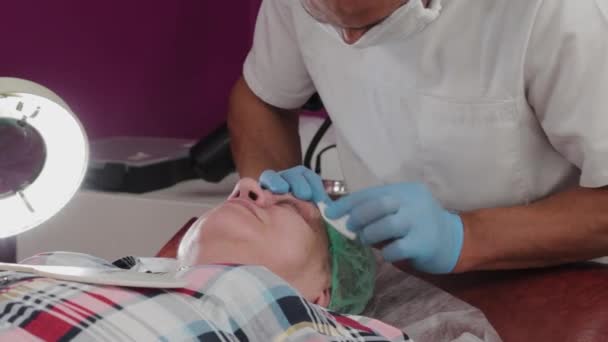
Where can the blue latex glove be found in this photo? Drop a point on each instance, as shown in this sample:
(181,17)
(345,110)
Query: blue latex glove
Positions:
(410,218)
(302,182)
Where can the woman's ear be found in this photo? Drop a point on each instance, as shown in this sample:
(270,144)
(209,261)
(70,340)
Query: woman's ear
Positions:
(323,298)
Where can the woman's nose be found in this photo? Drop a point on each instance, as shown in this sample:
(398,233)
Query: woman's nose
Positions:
(249,189)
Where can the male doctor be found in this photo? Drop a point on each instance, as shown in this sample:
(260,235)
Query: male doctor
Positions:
(473,134)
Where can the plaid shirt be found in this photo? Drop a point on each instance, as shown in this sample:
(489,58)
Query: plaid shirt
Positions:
(220,303)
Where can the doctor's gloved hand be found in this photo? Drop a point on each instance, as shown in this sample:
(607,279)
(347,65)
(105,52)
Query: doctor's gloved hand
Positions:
(407,217)
(302,182)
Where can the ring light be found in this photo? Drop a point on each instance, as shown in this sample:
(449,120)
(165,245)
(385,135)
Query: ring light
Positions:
(63,169)
(58,166)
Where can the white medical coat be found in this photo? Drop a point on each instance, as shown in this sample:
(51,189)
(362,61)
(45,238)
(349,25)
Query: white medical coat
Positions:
(488,102)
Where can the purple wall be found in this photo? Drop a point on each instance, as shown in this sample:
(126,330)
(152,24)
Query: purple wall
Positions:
(154,68)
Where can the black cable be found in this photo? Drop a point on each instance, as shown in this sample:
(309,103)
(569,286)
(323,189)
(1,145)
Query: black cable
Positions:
(315,142)
(318,162)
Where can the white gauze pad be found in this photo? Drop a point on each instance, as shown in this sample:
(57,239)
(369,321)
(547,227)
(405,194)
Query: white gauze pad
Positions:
(339,224)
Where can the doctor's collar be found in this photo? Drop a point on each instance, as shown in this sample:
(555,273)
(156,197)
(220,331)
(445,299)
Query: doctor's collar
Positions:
(410,18)
(358,18)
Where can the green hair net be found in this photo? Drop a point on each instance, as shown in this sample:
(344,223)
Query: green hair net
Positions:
(353,272)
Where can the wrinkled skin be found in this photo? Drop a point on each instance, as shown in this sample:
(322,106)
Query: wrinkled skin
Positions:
(256,227)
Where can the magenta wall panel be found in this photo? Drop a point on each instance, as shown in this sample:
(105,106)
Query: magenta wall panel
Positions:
(146,68)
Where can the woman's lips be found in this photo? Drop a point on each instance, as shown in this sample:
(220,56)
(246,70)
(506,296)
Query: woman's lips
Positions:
(247,204)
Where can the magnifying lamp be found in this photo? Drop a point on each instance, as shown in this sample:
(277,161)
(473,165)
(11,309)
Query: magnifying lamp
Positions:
(43,155)
(43,160)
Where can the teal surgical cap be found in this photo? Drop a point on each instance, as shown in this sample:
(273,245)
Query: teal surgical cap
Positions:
(353,269)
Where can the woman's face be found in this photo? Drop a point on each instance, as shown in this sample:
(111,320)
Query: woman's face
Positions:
(256,227)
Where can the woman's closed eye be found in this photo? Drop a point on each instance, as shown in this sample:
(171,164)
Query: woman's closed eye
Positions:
(308,211)
(292,206)
(303,209)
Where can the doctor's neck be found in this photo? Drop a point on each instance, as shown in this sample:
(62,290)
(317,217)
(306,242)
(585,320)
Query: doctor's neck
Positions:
(355,17)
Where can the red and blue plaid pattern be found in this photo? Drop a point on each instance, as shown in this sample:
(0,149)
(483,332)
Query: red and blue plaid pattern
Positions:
(220,303)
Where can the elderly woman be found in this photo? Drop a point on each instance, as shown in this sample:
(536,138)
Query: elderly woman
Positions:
(289,237)
(260,267)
